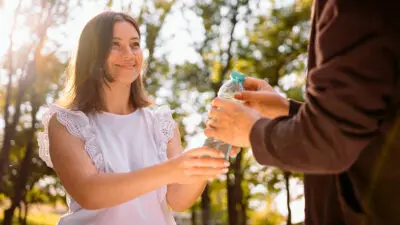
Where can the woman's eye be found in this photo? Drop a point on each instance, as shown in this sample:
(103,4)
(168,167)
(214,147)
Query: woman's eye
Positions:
(135,45)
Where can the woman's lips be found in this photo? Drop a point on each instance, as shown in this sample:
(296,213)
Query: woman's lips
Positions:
(126,66)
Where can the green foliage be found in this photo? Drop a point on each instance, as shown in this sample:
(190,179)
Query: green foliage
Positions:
(268,215)
(268,43)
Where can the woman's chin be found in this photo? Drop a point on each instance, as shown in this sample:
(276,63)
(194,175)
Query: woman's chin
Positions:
(127,80)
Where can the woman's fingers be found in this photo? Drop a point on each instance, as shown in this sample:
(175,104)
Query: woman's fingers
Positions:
(207,163)
(204,171)
(205,151)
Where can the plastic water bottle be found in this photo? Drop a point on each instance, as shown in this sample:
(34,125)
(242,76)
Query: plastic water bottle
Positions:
(227,91)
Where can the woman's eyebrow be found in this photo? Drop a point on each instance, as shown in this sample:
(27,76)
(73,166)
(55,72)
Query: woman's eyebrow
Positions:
(118,38)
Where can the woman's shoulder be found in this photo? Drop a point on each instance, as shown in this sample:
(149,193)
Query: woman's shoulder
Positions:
(75,122)
(164,121)
(68,117)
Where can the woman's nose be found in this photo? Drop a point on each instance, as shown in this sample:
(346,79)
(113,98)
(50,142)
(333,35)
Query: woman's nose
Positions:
(127,53)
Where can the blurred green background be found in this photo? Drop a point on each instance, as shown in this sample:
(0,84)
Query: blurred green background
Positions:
(190,48)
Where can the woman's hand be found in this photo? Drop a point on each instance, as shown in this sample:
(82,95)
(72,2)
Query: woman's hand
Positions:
(197,164)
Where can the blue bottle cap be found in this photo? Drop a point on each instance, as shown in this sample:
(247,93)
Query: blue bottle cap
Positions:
(237,77)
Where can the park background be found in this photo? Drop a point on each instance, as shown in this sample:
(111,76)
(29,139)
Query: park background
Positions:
(190,47)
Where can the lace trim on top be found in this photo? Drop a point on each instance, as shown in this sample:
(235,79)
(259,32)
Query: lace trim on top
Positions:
(77,124)
(165,129)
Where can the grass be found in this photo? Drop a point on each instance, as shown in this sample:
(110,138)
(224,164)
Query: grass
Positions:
(36,219)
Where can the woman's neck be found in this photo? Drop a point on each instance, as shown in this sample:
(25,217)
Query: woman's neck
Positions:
(116,97)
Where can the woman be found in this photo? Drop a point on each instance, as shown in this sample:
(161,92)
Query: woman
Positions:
(119,162)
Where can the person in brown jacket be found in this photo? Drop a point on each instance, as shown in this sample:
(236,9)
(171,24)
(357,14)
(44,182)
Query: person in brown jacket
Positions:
(345,137)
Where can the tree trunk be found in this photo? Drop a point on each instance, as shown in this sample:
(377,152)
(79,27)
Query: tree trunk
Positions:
(243,211)
(235,193)
(232,210)
(26,210)
(194,216)
(22,178)
(287,187)
(4,154)
(24,85)
(19,190)
(20,213)
(8,215)
(205,207)
(4,158)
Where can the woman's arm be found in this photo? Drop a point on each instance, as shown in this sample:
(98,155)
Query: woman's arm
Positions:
(93,190)
(182,196)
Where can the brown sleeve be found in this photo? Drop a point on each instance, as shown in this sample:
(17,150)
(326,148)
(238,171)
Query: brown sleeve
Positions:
(348,94)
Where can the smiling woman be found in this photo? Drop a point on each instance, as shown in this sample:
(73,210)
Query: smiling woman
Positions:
(108,63)
(118,160)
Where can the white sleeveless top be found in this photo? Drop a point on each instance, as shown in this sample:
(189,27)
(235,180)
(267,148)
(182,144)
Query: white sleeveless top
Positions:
(118,144)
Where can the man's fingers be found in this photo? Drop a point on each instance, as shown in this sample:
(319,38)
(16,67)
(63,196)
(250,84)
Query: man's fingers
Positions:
(234,151)
(214,112)
(254,96)
(211,132)
(251,83)
(223,104)
(246,96)
(211,123)
(255,84)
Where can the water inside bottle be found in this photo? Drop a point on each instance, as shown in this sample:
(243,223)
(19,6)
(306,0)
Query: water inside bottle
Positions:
(227,91)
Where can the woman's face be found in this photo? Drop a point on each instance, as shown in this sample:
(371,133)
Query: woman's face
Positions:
(124,62)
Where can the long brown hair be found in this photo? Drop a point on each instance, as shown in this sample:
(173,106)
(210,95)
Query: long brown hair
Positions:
(86,74)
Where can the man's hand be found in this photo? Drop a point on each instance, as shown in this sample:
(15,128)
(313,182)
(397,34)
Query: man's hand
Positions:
(269,103)
(259,95)
(234,151)
(254,84)
(231,122)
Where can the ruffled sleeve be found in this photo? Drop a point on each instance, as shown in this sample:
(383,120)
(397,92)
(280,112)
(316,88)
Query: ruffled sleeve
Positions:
(77,124)
(165,128)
